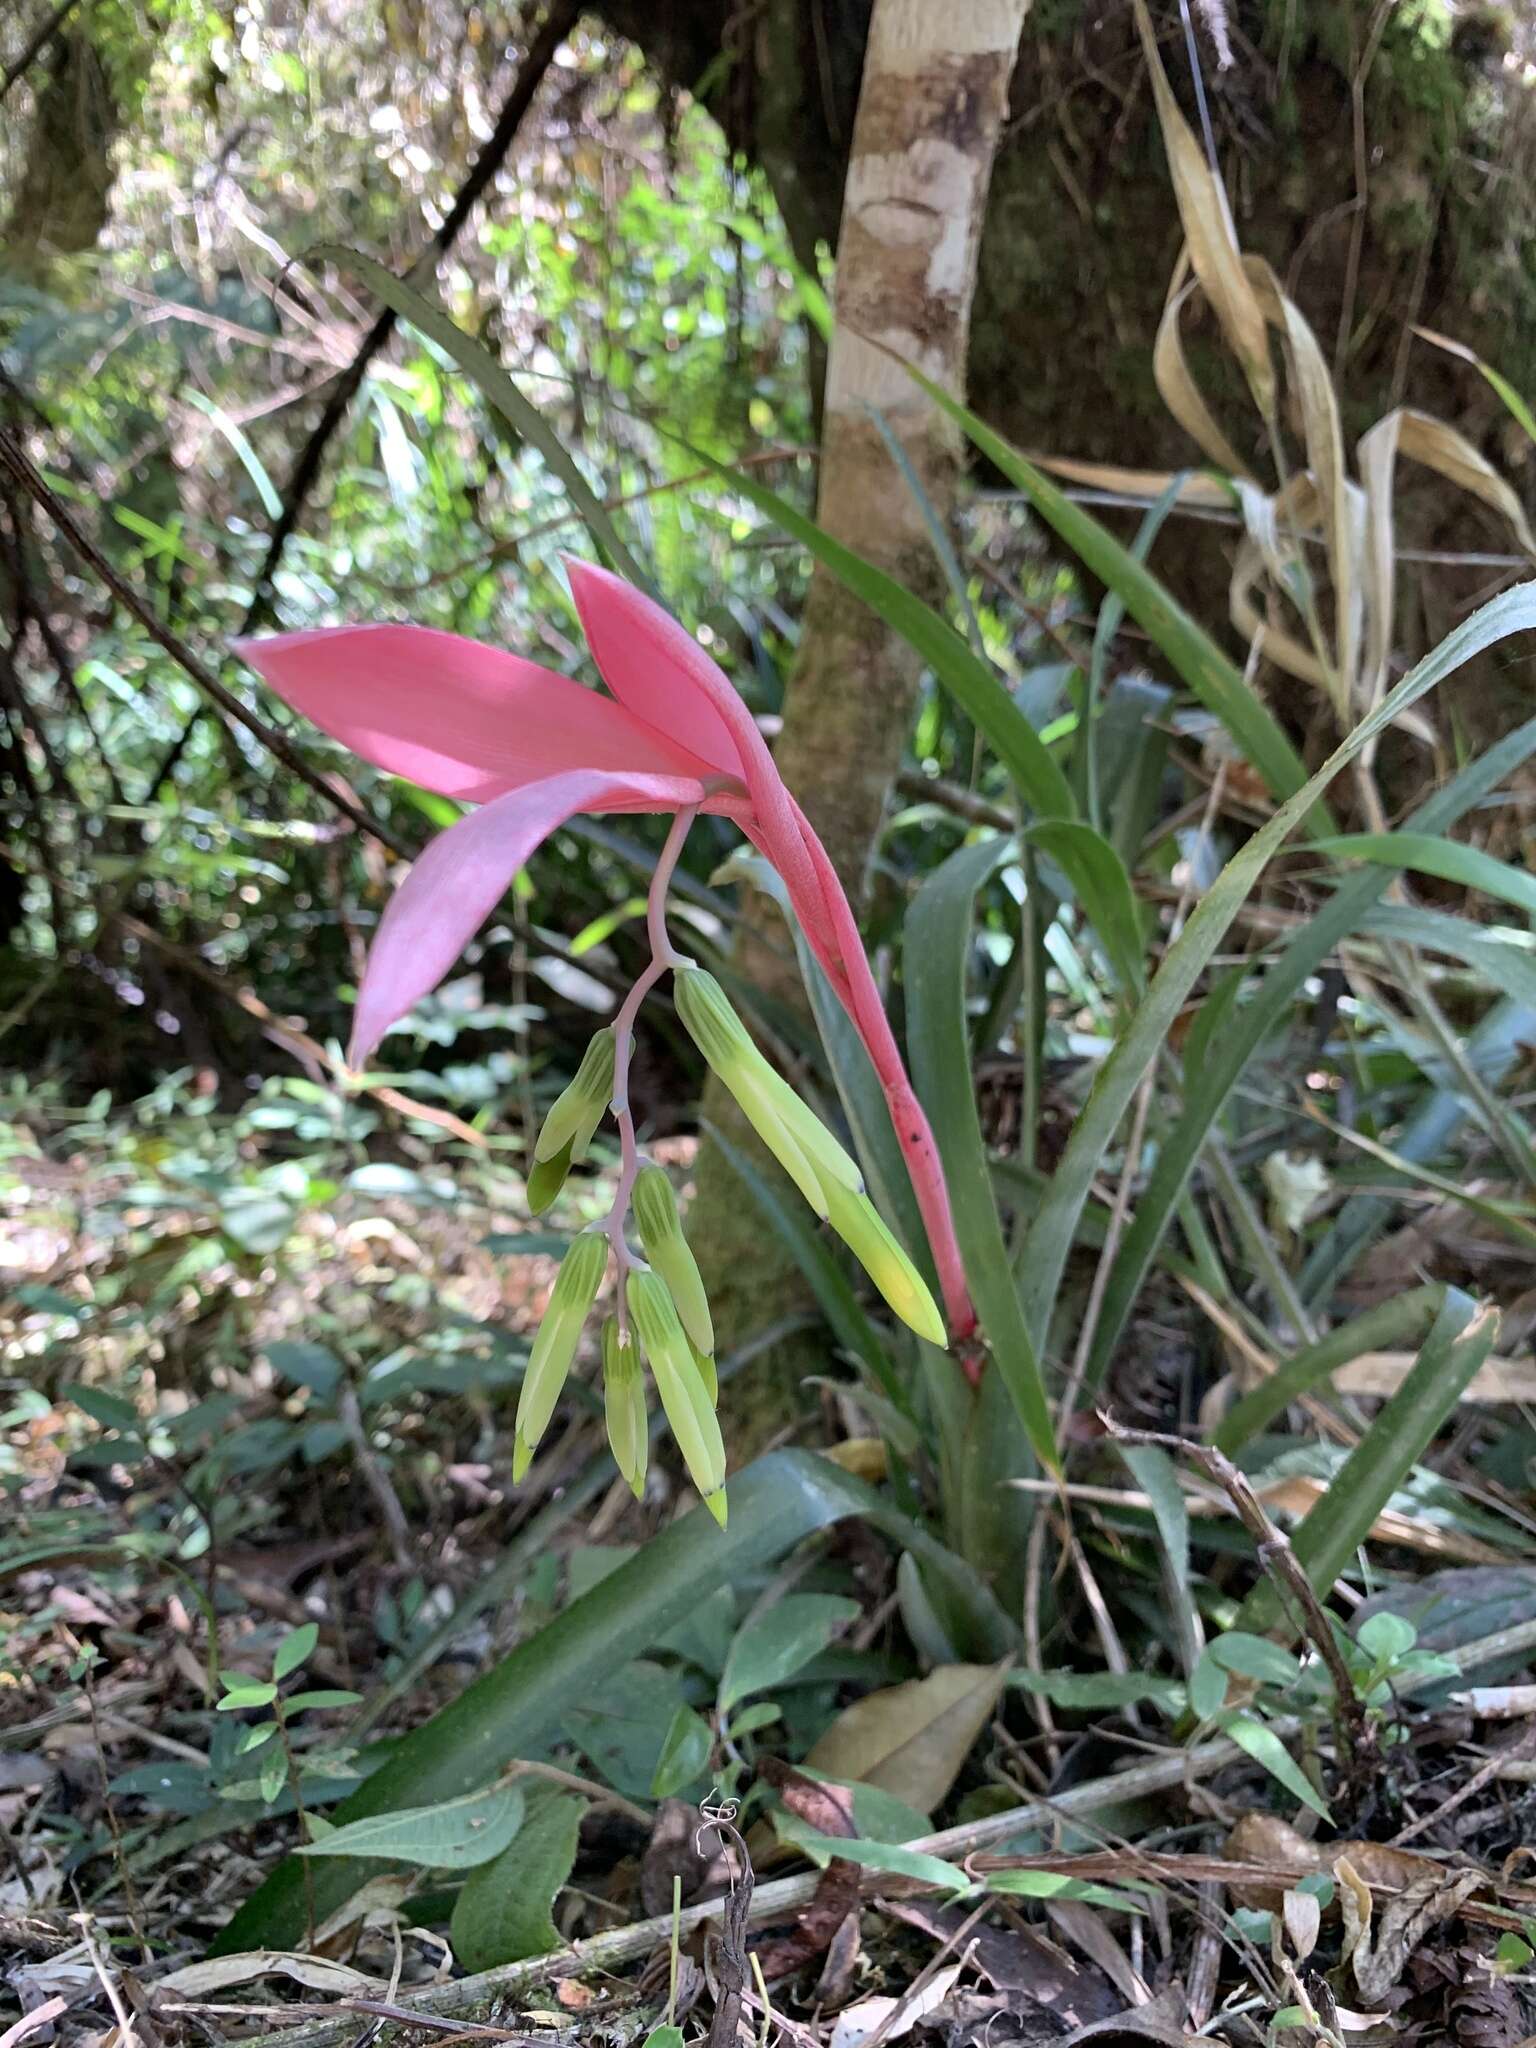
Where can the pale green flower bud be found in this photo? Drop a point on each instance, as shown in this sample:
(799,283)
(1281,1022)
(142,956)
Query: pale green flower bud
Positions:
(661,1232)
(689,1411)
(714,1026)
(575,1290)
(624,1406)
(858,1223)
(547,1179)
(578,1110)
(720,1035)
(810,1133)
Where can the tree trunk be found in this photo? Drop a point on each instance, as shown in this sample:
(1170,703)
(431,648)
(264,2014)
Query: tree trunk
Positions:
(931,104)
(61,205)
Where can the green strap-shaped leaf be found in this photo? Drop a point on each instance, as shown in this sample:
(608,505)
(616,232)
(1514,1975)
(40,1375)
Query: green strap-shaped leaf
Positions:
(498,391)
(935,946)
(1427,855)
(1050,1235)
(1494,1048)
(1228,1051)
(1460,1338)
(1103,890)
(775,1504)
(1504,957)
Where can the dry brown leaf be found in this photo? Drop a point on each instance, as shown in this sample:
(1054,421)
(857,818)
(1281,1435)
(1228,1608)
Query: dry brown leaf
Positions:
(1296,1495)
(1303,1916)
(891,2018)
(33,2022)
(1145,485)
(911,1739)
(1356,1906)
(1402,1923)
(315,1973)
(1342,504)
(1266,1841)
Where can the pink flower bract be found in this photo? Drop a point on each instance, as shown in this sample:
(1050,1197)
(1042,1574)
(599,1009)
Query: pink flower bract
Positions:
(532,749)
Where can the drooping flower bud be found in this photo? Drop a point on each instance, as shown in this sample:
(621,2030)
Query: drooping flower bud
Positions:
(547,1179)
(578,1109)
(575,1290)
(859,1224)
(722,1038)
(624,1405)
(689,1412)
(661,1232)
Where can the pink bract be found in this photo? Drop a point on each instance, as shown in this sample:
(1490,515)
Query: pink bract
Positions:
(533,749)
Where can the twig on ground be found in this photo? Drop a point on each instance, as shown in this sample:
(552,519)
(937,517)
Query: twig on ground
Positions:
(1283,1566)
(377,1480)
(786,1896)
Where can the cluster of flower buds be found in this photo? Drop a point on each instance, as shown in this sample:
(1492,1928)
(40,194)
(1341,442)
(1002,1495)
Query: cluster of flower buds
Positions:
(666,1314)
(663,1317)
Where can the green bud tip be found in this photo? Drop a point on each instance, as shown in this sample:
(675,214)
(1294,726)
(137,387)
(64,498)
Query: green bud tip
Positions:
(715,1502)
(859,1224)
(522,1458)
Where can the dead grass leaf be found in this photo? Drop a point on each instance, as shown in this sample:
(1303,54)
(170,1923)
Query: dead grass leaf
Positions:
(1209,232)
(1496,1381)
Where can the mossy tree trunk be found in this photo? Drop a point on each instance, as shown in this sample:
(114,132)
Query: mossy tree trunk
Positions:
(930,109)
(62,203)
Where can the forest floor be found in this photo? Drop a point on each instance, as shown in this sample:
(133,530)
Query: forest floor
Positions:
(289,1422)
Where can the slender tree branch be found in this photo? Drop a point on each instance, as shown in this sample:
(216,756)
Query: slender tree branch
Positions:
(558,21)
(14,459)
(37,45)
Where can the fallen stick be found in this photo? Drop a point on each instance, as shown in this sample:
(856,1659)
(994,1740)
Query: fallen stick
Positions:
(783,1897)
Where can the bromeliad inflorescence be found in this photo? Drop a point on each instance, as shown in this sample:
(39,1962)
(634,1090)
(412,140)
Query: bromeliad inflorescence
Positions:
(533,749)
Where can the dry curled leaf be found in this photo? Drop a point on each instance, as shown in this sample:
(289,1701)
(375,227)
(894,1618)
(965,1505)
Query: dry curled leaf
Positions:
(1403,1922)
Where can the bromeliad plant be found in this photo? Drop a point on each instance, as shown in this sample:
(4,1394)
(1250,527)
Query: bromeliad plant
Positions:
(533,749)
